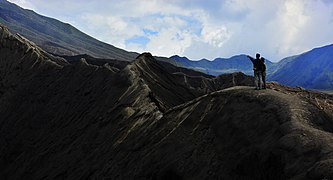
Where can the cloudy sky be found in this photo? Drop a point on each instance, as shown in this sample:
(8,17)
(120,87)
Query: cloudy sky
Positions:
(199,28)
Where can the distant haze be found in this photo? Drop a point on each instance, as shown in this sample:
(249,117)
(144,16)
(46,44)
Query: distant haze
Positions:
(199,28)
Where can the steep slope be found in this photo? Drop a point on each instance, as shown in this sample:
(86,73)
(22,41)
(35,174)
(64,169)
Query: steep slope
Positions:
(311,69)
(278,66)
(56,37)
(219,66)
(18,56)
(237,133)
(165,90)
(43,94)
(80,121)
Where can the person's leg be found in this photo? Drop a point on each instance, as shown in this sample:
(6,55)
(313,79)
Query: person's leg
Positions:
(256,79)
(259,79)
(264,79)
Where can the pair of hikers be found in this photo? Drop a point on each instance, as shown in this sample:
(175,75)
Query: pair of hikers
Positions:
(259,69)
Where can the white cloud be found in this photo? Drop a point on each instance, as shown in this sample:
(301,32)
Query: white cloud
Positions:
(169,41)
(299,26)
(200,28)
(215,36)
(291,20)
(236,5)
(111,29)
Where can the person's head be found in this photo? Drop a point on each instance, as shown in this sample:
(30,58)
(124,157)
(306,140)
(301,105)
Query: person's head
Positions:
(257,55)
(262,59)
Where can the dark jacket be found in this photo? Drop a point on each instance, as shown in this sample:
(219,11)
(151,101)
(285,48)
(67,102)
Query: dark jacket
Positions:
(257,64)
(262,66)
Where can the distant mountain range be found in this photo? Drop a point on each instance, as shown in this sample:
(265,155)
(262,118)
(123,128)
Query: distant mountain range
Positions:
(55,36)
(311,69)
(239,63)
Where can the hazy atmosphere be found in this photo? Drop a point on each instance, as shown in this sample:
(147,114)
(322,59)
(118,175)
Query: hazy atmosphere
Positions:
(199,29)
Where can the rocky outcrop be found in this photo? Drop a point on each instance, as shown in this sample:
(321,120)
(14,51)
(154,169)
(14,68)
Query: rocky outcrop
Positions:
(63,120)
(49,95)
(18,58)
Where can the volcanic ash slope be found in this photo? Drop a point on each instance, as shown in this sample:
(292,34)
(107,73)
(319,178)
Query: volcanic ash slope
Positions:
(80,121)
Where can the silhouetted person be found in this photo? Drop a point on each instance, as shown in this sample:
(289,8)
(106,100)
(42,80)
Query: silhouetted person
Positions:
(257,68)
(263,71)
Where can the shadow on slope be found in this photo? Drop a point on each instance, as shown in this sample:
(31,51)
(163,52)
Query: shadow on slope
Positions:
(236,133)
(82,121)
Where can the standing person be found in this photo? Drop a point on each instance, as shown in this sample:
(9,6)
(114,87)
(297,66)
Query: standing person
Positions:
(263,71)
(257,70)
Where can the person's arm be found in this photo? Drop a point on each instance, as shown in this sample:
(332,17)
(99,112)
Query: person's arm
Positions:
(251,58)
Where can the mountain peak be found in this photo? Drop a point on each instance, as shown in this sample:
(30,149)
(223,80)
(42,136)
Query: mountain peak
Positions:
(145,55)
(144,60)
(4,29)
(22,46)
(178,57)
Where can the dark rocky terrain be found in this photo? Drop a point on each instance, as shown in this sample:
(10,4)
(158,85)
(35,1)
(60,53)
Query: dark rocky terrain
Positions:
(62,120)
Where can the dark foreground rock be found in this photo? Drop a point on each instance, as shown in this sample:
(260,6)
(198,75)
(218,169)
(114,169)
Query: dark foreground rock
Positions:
(82,121)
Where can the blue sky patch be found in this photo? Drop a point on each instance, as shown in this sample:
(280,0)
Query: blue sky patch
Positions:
(149,32)
(138,40)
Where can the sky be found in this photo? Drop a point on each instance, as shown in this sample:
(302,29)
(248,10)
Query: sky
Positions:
(199,29)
